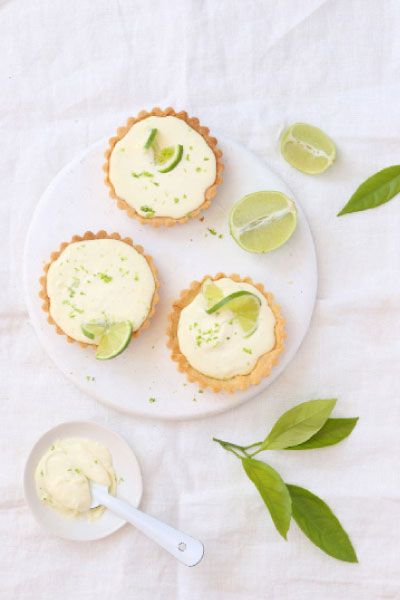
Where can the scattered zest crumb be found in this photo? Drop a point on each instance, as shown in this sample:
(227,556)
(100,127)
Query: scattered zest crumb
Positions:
(212,231)
(248,350)
(152,400)
(90,378)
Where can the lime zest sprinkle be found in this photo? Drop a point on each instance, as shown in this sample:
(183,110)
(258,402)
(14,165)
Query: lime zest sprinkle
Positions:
(247,350)
(176,200)
(198,169)
(149,212)
(212,231)
(104,277)
(152,400)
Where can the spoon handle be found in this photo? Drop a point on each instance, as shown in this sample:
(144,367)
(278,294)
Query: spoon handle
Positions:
(186,549)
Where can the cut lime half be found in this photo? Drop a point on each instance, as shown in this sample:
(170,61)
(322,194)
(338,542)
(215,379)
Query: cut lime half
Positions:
(245,307)
(169,158)
(263,221)
(114,340)
(93,330)
(307,148)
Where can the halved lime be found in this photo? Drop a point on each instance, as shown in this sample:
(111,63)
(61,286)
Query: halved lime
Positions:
(93,330)
(211,292)
(263,221)
(114,340)
(245,307)
(169,158)
(151,138)
(307,148)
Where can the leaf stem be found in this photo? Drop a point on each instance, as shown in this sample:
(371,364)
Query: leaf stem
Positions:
(229,446)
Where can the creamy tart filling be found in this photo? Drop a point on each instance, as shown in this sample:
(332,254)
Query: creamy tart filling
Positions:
(99,281)
(137,179)
(64,473)
(215,344)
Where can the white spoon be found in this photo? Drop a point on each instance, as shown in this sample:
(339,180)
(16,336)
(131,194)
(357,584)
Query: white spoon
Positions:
(186,549)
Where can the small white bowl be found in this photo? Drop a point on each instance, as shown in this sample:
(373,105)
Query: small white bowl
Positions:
(126,467)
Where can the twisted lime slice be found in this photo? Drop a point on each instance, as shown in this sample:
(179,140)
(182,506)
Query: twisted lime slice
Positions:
(211,292)
(93,330)
(245,307)
(151,139)
(263,221)
(168,158)
(114,340)
(307,148)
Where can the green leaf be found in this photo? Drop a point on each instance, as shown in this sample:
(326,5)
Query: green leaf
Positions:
(333,432)
(298,424)
(376,190)
(273,491)
(319,524)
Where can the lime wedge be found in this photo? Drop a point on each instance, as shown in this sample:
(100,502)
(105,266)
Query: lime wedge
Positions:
(93,330)
(150,139)
(114,340)
(263,221)
(211,292)
(169,158)
(307,148)
(245,307)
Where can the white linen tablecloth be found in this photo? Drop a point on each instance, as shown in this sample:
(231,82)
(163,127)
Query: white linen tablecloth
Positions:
(72,71)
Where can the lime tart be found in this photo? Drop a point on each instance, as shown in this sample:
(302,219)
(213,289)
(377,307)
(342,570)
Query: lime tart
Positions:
(100,289)
(225,332)
(163,167)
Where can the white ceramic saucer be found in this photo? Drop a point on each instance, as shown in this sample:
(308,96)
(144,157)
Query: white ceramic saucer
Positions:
(126,467)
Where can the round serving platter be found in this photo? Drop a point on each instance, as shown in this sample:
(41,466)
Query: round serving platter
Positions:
(143,380)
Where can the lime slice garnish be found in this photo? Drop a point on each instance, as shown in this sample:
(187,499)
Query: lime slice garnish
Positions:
(93,330)
(169,158)
(245,307)
(263,221)
(307,148)
(211,292)
(151,138)
(114,340)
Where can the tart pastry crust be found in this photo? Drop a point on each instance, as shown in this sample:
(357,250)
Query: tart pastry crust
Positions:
(209,193)
(100,235)
(265,362)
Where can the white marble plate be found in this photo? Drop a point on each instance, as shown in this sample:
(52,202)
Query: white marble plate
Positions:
(77,200)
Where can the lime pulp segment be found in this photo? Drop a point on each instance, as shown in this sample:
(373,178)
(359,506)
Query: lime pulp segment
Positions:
(263,221)
(245,307)
(169,158)
(307,148)
(114,340)
(93,330)
(211,292)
